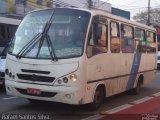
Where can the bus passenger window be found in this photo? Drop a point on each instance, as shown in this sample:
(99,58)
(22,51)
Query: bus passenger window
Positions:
(151,42)
(127,43)
(140,40)
(97,40)
(115,40)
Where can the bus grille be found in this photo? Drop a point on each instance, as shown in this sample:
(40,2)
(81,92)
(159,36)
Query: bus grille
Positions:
(36,78)
(43,94)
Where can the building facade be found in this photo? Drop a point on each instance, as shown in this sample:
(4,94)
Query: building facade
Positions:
(7,6)
(24,6)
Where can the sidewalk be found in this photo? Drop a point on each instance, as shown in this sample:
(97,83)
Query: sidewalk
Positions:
(149,109)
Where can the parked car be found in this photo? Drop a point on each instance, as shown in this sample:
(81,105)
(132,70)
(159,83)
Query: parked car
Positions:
(2,64)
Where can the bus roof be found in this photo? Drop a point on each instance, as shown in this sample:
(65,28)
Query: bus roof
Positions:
(120,19)
(10,21)
(107,14)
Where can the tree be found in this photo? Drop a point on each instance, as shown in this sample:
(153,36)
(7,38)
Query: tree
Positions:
(143,16)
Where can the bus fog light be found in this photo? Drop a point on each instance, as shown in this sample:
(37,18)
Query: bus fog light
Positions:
(68,96)
(65,80)
(59,81)
(73,77)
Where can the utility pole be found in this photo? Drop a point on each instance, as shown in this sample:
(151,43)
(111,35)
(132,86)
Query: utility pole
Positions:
(90,4)
(148,21)
(24,6)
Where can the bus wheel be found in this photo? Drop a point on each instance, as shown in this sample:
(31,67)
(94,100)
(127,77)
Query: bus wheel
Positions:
(98,99)
(137,89)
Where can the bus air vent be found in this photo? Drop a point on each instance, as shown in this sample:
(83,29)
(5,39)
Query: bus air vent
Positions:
(36,78)
(35,71)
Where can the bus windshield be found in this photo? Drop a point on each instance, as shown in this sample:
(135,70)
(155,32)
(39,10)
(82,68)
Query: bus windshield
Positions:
(67,32)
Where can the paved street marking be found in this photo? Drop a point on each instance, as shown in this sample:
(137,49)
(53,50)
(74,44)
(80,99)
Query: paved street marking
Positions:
(119,108)
(9,98)
(156,94)
(140,100)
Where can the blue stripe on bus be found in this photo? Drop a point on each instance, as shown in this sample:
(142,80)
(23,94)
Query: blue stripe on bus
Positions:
(134,70)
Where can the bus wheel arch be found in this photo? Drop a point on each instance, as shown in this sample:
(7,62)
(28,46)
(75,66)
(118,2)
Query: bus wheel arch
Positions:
(98,97)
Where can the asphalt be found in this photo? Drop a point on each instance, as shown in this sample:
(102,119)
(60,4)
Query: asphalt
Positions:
(147,108)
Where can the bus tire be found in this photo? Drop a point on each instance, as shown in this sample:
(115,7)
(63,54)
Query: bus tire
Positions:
(98,99)
(138,87)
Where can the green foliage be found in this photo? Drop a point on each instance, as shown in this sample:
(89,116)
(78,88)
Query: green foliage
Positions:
(143,16)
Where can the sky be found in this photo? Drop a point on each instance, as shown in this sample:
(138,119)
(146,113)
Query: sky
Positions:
(134,6)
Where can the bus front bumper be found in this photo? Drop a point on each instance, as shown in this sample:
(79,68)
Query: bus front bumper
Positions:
(62,94)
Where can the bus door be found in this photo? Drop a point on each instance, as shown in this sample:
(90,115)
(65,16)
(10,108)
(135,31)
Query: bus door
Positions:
(97,49)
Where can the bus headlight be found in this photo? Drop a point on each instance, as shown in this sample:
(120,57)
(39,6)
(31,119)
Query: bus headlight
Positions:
(73,77)
(6,71)
(59,81)
(65,80)
(10,74)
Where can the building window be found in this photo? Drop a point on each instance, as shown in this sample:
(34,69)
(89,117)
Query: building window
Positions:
(39,2)
(49,4)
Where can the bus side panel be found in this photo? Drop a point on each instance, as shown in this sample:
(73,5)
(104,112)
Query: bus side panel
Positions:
(151,61)
(147,68)
(150,73)
(105,68)
(129,69)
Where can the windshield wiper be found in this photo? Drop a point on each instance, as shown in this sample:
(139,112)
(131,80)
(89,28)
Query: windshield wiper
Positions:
(51,48)
(44,35)
(49,43)
(47,37)
(28,46)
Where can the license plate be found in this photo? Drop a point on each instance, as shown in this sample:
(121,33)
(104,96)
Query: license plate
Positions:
(33,91)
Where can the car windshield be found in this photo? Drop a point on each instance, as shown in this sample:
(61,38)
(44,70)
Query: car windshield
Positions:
(67,33)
